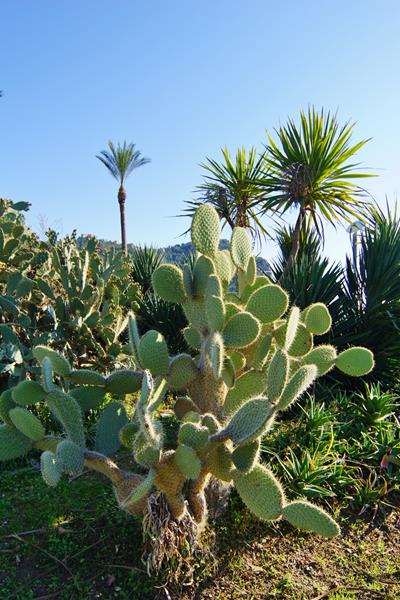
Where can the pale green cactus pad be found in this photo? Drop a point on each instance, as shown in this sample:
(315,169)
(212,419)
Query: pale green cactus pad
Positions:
(305,515)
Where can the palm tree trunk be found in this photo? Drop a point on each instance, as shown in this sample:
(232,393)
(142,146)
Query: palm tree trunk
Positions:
(121,201)
(296,239)
(242,219)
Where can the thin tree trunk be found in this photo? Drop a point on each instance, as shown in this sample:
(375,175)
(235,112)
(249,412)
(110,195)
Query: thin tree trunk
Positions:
(121,201)
(296,239)
(242,219)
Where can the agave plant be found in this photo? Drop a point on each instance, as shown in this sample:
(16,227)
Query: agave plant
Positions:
(311,169)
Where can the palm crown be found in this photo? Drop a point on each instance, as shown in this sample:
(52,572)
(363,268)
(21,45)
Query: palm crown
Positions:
(121,160)
(234,188)
(311,168)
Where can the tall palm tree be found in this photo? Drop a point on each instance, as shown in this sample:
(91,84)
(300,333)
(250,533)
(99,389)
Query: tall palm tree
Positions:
(311,171)
(234,188)
(120,162)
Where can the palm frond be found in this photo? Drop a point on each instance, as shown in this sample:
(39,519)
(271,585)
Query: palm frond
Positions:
(121,160)
(310,166)
(234,187)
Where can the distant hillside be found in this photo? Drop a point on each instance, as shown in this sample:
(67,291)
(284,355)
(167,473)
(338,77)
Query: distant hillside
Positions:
(177,253)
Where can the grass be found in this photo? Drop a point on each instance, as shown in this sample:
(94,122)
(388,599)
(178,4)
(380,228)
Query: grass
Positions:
(71,543)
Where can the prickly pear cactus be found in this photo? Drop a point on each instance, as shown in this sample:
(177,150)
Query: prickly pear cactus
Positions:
(252,356)
(59,294)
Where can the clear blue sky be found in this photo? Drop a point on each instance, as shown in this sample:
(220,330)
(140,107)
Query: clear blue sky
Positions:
(180,79)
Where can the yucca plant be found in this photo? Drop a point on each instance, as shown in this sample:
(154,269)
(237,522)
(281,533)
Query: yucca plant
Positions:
(234,188)
(310,168)
(121,161)
(310,277)
(145,260)
(371,293)
(166,317)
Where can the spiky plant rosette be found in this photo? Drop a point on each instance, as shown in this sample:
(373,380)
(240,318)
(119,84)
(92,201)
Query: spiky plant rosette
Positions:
(252,357)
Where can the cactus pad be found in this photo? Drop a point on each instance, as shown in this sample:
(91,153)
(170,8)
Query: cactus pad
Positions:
(66,409)
(296,385)
(128,433)
(215,311)
(28,392)
(219,463)
(124,381)
(323,357)
(192,337)
(187,461)
(261,492)
(60,364)
(6,404)
(112,419)
(168,283)
(182,371)
(153,353)
(87,377)
(27,423)
(305,515)
(13,444)
(193,435)
(206,230)
(203,269)
(241,330)
(50,469)
(268,303)
(88,397)
(317,318)
(277,374)
(247,386)
(355,361)
(240,248)
(245,457)
(217,355)
(249,422)
(70,457)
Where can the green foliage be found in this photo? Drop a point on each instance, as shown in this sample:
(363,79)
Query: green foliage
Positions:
(311,167)
(145,260)
(260,354)
(370,295)
(121,160)
(111,421)
(310,278)
(234,188)
(13,444)
(60,294)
